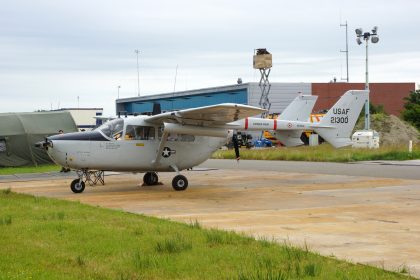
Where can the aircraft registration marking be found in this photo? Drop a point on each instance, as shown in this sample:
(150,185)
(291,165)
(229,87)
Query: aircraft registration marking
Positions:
(112,146)
(343,115)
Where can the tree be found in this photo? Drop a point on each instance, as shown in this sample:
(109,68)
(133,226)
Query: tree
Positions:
(376,109)
(411,112)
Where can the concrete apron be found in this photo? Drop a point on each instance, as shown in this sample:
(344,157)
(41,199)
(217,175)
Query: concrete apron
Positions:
(360,219)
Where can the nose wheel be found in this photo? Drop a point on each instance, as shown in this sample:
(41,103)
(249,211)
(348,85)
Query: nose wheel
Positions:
(77,186)
(92,177)
(179,183)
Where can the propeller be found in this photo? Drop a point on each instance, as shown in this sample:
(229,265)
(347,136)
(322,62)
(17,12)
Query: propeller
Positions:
(236,146)
(44,144)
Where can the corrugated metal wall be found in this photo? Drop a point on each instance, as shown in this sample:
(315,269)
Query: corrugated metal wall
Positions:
(281,94)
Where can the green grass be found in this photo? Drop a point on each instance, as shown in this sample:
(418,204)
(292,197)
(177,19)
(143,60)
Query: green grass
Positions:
(29,169)
(324,153)
(43,238)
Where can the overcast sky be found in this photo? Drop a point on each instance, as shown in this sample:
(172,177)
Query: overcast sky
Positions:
(53,51)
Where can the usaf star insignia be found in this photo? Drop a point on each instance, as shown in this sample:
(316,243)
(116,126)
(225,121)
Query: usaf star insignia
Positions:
(167,152)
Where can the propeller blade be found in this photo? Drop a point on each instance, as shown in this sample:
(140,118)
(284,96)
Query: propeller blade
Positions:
(44,144)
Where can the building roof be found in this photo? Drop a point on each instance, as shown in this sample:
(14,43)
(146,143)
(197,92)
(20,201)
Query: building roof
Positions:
(66,109)
(185,93)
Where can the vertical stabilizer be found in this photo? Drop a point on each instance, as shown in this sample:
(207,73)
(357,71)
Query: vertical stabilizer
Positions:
(300,108)
(336,126)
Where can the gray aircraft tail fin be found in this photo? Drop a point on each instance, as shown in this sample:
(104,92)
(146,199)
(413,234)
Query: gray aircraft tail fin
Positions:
(336,126)
(299,109)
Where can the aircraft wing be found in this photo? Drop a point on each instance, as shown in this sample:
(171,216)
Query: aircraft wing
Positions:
(209,115)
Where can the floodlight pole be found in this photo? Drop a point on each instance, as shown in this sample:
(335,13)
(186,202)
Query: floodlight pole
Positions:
(366,36)
(367,105)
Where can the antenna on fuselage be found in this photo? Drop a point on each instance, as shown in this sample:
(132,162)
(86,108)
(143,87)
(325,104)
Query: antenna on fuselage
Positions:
(156,109)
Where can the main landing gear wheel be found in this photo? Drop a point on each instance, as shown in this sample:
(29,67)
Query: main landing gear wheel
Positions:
(179,183)
(150,178)
(77,186)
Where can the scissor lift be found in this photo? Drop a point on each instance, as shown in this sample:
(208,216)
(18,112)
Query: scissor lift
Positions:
(263,61)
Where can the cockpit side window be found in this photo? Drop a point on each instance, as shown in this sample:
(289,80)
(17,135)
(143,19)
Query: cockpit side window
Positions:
(137,132)
(130,132)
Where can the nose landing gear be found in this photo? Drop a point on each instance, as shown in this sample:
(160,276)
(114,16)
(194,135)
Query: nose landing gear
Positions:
(77,186)
(85,176)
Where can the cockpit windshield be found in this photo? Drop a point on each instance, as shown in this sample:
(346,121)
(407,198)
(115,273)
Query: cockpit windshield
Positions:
(112,128)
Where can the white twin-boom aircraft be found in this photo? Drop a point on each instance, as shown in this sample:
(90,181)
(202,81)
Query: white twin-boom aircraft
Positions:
(175,141)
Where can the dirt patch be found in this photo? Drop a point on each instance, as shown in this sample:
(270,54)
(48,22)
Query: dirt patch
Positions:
(392,130)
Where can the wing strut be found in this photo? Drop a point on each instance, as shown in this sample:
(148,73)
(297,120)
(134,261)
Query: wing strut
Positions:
(160,149)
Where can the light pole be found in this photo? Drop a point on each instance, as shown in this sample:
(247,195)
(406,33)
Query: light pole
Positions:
(138,74)
(119,91)
(375,39)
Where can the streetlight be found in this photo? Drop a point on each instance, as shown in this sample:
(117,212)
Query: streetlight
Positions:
(119,91)
(138,75)
(375,39)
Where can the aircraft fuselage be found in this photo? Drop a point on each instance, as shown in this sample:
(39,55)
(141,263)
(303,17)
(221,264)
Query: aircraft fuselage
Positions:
(95,151)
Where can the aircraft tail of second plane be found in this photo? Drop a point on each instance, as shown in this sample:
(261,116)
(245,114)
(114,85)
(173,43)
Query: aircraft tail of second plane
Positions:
(337,125)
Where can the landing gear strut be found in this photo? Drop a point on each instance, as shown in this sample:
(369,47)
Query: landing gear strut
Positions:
(150,178)
(86,176)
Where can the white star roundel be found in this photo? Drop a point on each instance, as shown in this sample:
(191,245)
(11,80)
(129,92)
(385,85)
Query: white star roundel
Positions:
(167,152)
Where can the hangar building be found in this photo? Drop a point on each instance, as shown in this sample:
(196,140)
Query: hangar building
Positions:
(85,117)
(391,95)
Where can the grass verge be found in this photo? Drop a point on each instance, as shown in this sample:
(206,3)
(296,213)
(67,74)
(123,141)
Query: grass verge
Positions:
(29,169)
(52,239)
(324,153)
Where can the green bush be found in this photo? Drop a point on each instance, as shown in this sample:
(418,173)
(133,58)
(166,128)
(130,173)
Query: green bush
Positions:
(411,112)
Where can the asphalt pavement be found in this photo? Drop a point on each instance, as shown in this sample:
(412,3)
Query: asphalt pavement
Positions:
(409,169)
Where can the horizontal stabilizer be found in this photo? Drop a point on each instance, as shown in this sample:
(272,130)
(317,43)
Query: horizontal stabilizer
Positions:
(289,138)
